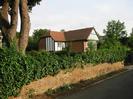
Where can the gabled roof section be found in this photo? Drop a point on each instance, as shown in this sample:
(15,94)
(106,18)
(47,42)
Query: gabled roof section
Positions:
(73,35)
(57,36)
(80,34)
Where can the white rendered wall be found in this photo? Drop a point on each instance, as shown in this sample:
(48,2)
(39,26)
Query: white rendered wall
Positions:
(59,48)
(93,36)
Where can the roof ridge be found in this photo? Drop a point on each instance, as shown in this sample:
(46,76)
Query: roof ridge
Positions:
(79,29)
(57,31)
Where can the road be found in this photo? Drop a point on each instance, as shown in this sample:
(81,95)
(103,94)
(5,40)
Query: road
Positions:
(119,87)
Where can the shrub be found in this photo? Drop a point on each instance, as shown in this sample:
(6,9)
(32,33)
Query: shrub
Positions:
(17,70)
(129,58)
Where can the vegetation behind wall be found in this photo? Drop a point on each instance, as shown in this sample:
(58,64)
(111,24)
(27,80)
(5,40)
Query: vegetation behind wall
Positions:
(17,70)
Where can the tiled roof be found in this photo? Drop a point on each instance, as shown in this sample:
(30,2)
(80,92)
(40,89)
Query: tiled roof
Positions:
(57,36)
(74,35)
(81,34)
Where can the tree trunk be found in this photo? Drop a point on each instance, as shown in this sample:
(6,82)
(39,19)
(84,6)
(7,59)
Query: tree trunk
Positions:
(9,28)
(25,26)
(14,21)
(4,20)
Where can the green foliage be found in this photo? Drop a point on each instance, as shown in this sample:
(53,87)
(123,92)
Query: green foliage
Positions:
(130,41)
(104,56)
(32,45)
(61,89)
(114,32)
(32,3)
(31,93)
(17,70)
(91,45)
(34,39)
(48,63)
(129,58)
(38,33)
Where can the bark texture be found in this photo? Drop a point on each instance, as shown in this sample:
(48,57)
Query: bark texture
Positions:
(9,28)
(25,26)
(4,20)
(14,20)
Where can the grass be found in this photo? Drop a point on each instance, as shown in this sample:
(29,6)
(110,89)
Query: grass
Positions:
(60,89)
(31,93)
(68,89)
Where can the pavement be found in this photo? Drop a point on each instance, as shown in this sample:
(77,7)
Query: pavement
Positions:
(129,67)
(118,87)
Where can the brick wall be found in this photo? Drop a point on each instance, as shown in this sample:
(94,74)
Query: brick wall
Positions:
(42,43)
(76,46)
(85,45)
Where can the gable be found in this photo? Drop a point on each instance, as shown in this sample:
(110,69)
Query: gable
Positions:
(93,36)
(74,35)
(77,35)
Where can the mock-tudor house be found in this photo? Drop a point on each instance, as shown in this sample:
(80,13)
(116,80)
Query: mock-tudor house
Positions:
(75,40)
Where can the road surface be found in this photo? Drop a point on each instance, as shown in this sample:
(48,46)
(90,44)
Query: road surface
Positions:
(119,87)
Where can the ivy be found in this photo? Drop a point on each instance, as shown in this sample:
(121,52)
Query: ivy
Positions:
(17,70)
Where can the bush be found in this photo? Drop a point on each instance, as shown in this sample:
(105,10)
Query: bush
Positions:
(129,58)
(17,70)
(48,63)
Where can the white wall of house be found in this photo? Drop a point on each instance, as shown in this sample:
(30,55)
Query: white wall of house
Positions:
(59,46)
(92,40)
(93,36)
(49,44)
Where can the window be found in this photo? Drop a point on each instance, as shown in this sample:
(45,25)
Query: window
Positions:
(61,44)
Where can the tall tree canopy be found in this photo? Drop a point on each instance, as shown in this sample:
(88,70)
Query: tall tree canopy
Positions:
(10,10)
(34,39)
(113,33)
(115,30)
(32,3)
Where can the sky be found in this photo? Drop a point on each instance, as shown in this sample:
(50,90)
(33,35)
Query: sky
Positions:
(76,14)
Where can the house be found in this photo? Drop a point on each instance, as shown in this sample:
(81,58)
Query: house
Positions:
(75,40)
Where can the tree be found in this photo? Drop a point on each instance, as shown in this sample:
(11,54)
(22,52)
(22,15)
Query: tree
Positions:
(131,34)
(32,3)
(130,40)
(114,32)
(25,25)
(34,39)
(8,28)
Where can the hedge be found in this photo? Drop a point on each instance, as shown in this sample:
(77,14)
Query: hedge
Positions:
(17,70)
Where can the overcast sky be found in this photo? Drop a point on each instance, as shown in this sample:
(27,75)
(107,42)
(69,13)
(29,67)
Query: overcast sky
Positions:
(76,14)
